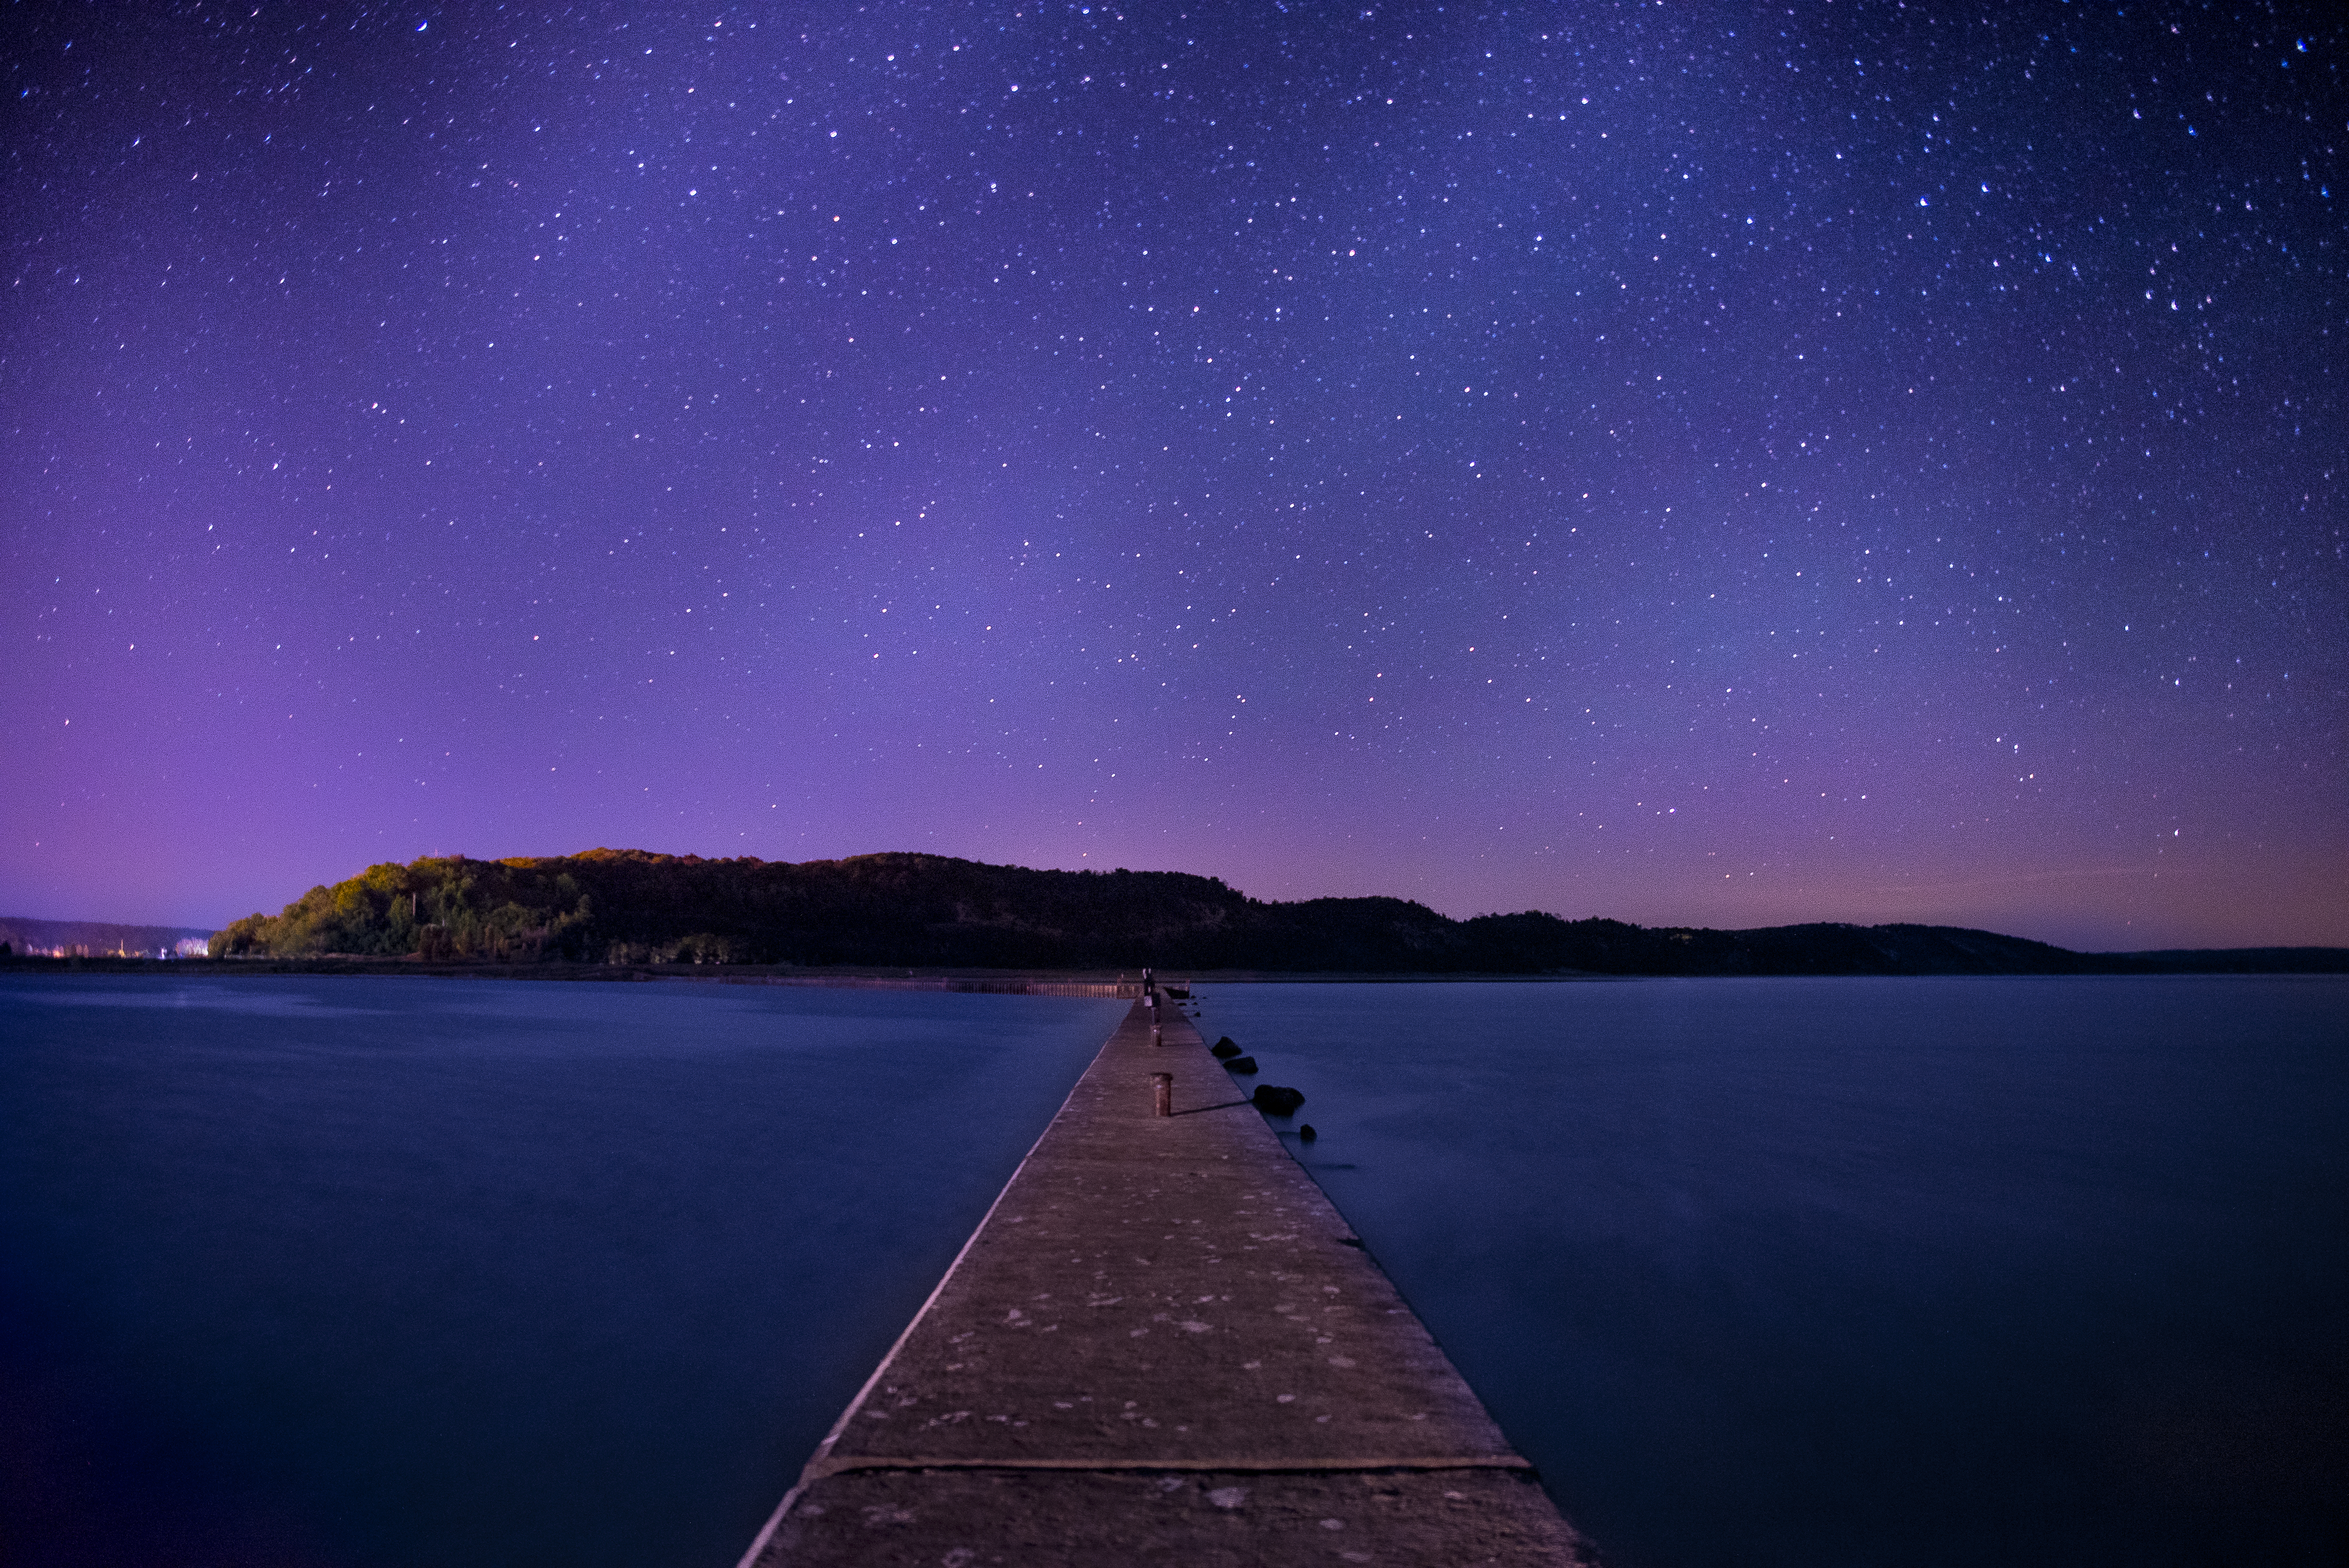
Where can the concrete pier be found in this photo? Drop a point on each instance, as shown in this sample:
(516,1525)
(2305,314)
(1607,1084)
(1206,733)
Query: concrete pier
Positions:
(1163,1344)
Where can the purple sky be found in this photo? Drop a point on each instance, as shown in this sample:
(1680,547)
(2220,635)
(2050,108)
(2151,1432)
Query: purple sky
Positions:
(1699,465)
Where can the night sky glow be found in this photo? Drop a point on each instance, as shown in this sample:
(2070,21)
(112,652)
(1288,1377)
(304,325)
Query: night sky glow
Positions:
(1721,465)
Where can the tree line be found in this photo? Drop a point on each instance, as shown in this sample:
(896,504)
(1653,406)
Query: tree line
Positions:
(628,906)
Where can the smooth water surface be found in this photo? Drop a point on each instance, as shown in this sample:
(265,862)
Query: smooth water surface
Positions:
(406,1272)
(1846,1271)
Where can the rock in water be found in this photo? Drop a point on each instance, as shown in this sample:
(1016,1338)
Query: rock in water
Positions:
(1225,1048)
(1240,1064)
(1274,1100)
(1305,1133)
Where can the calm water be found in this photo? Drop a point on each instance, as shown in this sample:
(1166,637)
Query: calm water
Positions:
(1858,1272)
(412,1272)
(1850,1272)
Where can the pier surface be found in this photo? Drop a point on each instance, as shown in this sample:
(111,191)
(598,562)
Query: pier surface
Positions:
(1163,1344)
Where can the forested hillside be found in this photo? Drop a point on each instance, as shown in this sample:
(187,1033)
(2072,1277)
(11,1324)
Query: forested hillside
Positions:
(627,906)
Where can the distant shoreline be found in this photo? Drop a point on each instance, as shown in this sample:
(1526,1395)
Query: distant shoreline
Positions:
(2316,961)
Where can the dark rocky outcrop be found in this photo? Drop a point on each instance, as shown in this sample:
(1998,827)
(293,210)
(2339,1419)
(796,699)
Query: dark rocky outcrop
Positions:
(1274,1100)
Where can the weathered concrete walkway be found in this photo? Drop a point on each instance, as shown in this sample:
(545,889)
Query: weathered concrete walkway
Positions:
(1163,1344)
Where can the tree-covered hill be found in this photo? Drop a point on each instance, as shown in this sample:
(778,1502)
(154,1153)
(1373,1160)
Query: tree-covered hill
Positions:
(627,906)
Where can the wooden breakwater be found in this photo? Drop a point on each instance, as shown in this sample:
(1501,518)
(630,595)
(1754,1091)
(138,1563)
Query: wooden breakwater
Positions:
(1163,1344)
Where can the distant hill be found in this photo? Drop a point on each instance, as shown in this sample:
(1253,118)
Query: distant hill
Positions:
(627,906)
(91,938)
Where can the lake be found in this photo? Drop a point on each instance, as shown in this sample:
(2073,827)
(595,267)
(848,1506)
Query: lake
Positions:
(311,1270)
(401,1271)
(1863,1270)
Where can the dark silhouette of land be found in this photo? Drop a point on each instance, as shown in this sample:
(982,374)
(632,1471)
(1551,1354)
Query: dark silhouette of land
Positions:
(630,908)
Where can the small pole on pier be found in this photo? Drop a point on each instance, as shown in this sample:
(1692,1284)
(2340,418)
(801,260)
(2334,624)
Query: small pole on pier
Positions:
(1162,1094)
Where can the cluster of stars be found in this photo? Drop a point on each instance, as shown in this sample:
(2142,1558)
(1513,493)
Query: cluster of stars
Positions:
(1619,458)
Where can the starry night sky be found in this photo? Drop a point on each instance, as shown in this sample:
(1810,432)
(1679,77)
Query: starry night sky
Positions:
(1695,464)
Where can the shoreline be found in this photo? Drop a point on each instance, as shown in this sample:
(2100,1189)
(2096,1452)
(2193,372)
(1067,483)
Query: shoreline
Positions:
(2305,962)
